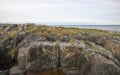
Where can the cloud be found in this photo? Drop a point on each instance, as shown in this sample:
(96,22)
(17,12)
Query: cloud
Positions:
(89,11)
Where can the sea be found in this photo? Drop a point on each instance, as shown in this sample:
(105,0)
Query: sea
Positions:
(101,27)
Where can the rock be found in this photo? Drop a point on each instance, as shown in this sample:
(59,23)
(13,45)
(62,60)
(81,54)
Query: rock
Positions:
(78,36)
(83,53)
(1,39)
(21,28)
(45,54)
(50,53)
(98,39)
(102,66)
(6,42)
(31,38)
(5,58)
(3,72)
(73,62)
(22,58)
(51,37)
(114,47)
(33,56)
(16,71)
(10,27)
(65,39)
(72,58)
(42,38)
(18,38)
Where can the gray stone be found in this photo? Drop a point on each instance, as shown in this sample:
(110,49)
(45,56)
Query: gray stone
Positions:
(65,39)
(42,56)
(102,66)
(16,71)
(10,27)
(22,57)
(3,72)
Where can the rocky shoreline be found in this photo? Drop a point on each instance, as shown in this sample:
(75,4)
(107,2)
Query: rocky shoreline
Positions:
(30,48)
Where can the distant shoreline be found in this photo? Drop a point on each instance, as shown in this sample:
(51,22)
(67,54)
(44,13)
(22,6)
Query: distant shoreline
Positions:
(114,28)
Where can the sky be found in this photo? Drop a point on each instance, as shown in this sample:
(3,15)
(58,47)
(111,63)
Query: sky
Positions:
(100,12)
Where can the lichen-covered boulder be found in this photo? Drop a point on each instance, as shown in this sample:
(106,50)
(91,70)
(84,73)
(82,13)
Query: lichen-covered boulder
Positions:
(102,66)
(38,56)
(72,58)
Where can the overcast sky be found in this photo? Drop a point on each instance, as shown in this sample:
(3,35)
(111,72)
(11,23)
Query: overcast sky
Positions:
(60,11)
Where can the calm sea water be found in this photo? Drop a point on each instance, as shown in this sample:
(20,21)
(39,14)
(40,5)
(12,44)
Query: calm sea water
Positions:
(102,27)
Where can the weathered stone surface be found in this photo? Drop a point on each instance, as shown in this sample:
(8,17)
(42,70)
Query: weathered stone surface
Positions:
(22,57)
(75,53)
(72,58)
(5,58)
(114,47)
(38,56)
(51,37)
(102,66)
(18,38)
(3,72)
(10,27)
(65,39)
(16,71)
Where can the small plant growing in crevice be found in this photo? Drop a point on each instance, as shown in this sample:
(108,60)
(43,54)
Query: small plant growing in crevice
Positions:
(87,55)
(12,52)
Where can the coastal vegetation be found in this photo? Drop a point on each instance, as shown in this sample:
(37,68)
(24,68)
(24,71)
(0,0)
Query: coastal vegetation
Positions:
(30,48)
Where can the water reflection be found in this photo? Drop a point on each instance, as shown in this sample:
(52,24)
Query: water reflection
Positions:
(50,72)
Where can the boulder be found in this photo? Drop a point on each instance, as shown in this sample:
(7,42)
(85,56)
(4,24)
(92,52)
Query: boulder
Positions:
(16,71)
(5,58)
(22,58)
(65,39)
(18,38)
(102,66)
(39,56)
(51,37)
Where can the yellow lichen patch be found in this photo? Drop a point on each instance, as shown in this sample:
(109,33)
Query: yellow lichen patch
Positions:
(13,34)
